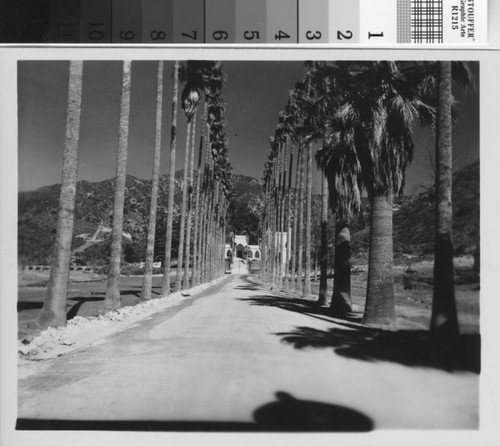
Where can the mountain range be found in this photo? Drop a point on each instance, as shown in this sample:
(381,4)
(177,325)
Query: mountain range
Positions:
(37,218)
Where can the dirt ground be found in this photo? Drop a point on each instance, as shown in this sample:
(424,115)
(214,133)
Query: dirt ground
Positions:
(86,295)
(413,295)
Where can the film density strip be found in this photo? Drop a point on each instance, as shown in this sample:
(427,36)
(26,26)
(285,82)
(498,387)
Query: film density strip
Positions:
(330,22)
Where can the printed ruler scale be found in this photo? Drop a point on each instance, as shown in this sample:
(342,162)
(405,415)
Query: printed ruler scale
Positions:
(245,22)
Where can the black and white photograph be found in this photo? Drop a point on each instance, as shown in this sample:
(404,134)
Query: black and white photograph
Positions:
(248,246)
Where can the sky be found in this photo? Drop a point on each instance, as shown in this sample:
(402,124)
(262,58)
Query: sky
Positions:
(255,92)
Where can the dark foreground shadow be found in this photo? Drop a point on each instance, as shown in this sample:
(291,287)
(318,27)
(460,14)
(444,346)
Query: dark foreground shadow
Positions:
(407,347)
(286,414)
(293,415)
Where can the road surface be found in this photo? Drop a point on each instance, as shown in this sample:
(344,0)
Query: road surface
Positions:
(239,357)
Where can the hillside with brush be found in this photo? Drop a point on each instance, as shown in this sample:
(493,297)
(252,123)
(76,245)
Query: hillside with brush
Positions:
(413,218)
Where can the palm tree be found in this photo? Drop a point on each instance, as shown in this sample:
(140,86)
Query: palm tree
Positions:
(444,313)
(289,252)
(338,160)
(323,256)
(216,180)
(199,76)
(382,108)
(112,300)
(190,101)
(148,271)
(185,283)
(53,312)
(212,82)
(197,239)
(266,187)
(308,129)
(308,226)
(165,289)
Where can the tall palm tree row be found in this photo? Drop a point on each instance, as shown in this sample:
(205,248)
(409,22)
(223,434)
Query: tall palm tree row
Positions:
(53,312)
(217,187)
(190,100)
(198,205)
(365,114)
(338,160)
(206,77)
(203,76)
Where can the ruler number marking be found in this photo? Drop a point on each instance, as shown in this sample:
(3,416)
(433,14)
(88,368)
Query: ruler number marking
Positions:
(158,35)
(192,36)
(344,36)
(220,35)
(251,35)
(281,35)
(127,35)
(313,36)
(370,34)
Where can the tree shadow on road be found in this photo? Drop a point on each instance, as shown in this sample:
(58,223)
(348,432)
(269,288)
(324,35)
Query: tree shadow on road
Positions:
(350,339)
(298,305)
(406,347)
(285,414)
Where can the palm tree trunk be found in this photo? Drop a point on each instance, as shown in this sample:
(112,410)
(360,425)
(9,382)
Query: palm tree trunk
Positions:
(380,307)
(307,282)
(203,236)
(288,221)
(276,216)
(210,234)
(213,232)
(113,300)
(296,196)
(323,250)
(165,287)
(206,233)
(341,298)
(197,210)
(180,257)
(300,237)
(265,236)
(190,205)
(444,313)
(281,223)
(148,270)
(53,312)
